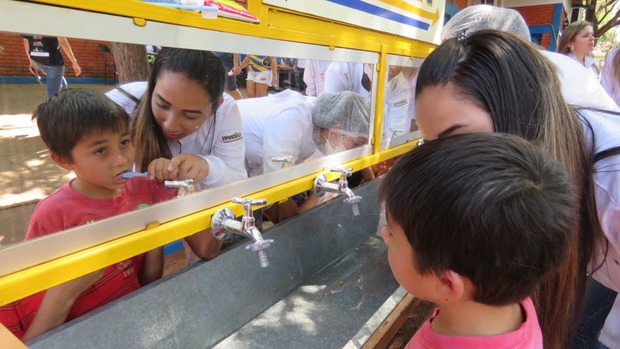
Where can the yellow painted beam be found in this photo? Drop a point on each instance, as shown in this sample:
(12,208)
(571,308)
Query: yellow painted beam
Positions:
(381,81)
(41,277)
(275,23)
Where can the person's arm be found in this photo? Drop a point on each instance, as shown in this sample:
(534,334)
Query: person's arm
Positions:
(204,244)
(245,62)
(367,174)
(57,303)
(31,66)
(309,79)
(153,266)
(236,64)
(66,48)
(274,71)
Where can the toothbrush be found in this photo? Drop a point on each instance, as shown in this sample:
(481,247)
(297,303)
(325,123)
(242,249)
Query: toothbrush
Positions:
(128,175)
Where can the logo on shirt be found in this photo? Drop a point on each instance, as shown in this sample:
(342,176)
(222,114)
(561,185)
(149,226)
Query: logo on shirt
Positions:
(231,138)
(400,103)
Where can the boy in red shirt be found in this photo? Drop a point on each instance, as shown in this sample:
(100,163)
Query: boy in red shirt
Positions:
(88,134)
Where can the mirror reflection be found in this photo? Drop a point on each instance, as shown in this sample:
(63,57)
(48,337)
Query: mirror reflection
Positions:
(190,118)
(399,102)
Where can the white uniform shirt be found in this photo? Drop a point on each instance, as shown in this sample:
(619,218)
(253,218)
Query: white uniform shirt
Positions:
(590,65)
(579,86)
(607,193)
(276,125)
(344,76)
(396,120)
(219,141)
(608,79)
(314,76)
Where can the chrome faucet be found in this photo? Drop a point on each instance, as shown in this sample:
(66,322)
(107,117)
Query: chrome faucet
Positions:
(284,160)
(321,186)
(185,186)
(396,131)
(223,224)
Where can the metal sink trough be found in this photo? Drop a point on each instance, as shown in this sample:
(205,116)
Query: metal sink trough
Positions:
(328,285)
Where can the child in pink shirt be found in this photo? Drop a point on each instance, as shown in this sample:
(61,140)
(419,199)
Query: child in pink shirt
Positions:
(474,223)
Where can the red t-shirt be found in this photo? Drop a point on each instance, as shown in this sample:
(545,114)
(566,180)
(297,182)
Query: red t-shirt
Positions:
(66,208)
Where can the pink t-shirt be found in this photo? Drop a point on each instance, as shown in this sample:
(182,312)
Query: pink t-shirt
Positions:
(527,336)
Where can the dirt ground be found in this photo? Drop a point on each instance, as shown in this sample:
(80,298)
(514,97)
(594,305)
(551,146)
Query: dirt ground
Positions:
(27,175)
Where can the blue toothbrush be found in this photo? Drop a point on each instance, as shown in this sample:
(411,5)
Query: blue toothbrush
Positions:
(128,175)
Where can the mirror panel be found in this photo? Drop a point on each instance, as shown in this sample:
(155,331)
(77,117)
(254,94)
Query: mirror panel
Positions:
(399,124)
(28,154)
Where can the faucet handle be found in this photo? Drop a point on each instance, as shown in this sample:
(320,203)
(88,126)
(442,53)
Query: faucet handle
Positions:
(346,171)
(250,202)
(285,160)
(185,186)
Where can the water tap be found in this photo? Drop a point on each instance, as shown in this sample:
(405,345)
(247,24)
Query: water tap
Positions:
(321,186)
(396,131)
(223,224)
(185,186)
(284,160)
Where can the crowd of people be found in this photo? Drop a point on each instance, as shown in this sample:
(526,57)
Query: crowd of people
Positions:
(504,217)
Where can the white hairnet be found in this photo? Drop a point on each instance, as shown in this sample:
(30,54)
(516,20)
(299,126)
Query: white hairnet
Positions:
(346,111)
(477,17)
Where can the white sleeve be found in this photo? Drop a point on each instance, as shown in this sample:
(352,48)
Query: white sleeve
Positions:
(282,138)
(336,79)
(309,79)
(226,161)
(607,76)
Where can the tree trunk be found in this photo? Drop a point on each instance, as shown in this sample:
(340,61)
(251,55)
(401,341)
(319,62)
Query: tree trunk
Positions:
(131,63)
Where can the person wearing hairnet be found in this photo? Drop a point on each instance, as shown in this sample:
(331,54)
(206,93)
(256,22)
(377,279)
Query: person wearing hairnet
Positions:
(356,77)
(289,127)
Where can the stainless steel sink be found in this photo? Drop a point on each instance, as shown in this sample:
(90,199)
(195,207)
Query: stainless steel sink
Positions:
(327,276)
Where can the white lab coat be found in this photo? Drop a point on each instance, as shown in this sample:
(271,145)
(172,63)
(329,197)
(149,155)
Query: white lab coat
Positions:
(345,76)
(276,126)
(396,119)
(314,76)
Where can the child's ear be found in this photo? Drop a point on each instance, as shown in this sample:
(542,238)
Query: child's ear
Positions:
(62,161)
(452,285)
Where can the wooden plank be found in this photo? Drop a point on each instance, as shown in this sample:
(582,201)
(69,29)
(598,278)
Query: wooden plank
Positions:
(9,341)
(388,329)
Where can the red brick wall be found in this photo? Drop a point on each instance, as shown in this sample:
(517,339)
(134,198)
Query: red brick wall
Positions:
(461,4)
(536,15)
(13,61)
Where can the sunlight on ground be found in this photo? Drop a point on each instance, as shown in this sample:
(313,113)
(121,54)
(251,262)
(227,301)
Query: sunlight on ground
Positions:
(14,125)
(7,200)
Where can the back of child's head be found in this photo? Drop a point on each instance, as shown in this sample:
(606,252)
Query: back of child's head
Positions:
(491,207)
(71,114)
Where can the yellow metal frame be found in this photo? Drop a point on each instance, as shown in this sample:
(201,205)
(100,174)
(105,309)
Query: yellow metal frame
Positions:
(275,24)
